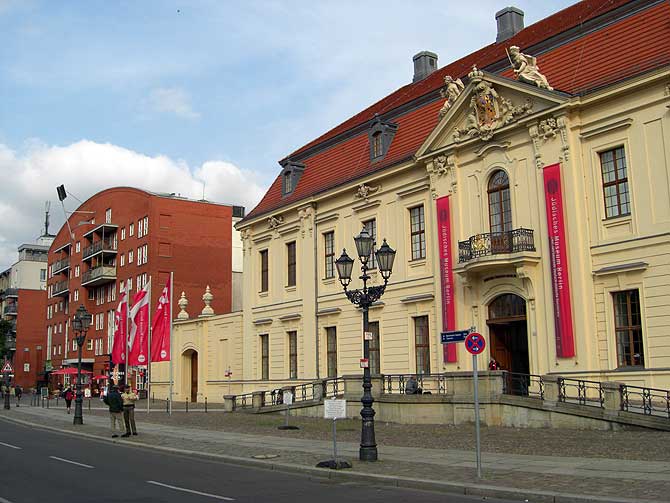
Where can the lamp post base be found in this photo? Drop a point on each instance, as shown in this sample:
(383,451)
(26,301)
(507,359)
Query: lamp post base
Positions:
(368,453)
(78,412)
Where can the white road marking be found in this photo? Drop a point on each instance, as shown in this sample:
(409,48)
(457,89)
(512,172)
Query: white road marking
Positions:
(71,462)
(10,446)
(215,496)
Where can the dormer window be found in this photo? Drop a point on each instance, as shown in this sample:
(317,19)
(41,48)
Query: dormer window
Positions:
(290,175)
(380,135)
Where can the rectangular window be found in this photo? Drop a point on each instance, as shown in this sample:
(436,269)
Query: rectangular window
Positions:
(293,355)
(265,357)
(628,327)
(139,252)
(145,253)
(264,270)
(76,295)
(91,294)
(130,284)
(329,250)
(123,260)
(291,265)
(130,257)
(89,346)
(331,349)
(422,345)
(375,362)
(108,216)
(146,225)
(77,247)
(123,233)
(131,229)
(615,182)
(76,271)
(139,229)
(417,232)
(43,274)
(371,227)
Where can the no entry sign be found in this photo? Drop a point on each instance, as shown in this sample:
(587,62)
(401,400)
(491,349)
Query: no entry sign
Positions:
(475,343)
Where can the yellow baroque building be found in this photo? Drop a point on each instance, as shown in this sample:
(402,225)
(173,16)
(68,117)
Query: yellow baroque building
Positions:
(528,198)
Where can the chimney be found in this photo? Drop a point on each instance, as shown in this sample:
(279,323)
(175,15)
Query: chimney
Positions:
(510,22)
(425,63)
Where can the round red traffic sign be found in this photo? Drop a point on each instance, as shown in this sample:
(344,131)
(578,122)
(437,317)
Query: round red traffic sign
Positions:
(475,343)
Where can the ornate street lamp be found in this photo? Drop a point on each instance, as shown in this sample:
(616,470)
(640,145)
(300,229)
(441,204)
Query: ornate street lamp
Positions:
(364,298)
(80,323)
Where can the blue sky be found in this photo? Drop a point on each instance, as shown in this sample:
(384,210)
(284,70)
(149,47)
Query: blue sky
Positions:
(198,90)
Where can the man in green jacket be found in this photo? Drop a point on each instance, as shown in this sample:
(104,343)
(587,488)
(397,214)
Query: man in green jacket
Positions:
(115,403)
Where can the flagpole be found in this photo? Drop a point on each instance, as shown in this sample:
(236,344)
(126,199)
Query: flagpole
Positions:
(125,362)
(171,299)
(149,353)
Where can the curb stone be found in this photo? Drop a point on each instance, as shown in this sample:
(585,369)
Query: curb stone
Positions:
(375,479)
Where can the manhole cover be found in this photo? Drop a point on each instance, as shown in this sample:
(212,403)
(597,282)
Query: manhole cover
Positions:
(265,456)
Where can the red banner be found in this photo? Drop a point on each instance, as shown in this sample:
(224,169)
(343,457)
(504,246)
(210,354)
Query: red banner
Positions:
(446,275)
(120,326)
(565,342)
(138,342)
(160,331)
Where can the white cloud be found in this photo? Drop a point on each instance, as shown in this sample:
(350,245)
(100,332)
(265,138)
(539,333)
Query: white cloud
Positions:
(85,168)
(172,101)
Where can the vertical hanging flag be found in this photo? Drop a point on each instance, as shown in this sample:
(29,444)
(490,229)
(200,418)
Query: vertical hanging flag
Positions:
(160,332)
(120,332)
(446,275)
(138,341)
(558,255)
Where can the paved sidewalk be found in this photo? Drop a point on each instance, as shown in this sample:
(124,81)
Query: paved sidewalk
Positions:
(612,479)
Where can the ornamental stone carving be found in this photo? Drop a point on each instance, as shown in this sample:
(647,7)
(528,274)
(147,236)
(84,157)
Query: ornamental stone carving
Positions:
(451,92)
(442,165)
(207,298)
(182,303)
(305,215)
(275,222)
(546,130)
(526,69)
(488,112)
(365,191)
(245,236)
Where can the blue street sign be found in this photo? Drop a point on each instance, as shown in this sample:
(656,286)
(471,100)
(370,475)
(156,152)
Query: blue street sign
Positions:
(453,336)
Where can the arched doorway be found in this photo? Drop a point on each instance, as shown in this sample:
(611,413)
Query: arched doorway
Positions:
(190,359)
(508,333)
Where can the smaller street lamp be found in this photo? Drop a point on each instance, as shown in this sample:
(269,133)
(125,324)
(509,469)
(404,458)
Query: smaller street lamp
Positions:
(364,298)
(80,323)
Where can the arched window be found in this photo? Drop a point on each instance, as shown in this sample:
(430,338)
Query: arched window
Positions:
(500,207)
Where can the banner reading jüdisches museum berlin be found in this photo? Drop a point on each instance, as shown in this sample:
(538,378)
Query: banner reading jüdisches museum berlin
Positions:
(560,281)
(446,275)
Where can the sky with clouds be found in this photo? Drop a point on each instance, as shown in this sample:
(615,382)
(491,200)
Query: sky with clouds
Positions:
(170,95)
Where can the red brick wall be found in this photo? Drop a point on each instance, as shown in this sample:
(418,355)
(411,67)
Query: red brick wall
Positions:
(30,337)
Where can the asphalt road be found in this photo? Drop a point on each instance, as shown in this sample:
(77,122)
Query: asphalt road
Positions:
(40,466)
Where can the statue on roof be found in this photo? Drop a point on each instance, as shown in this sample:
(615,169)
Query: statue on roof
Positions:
(526,69)
(451,92)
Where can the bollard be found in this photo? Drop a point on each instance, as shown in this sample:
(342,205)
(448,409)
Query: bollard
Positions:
(186,401)
(153,397)
(167,405)
(205,404)
(47,402)
(89,404)
(56,401)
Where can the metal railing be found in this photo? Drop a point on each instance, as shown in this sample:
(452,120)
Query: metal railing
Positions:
(245,401)
(60,288)
(60,265)
(493,243)
(9,292)
(98,246)
(648,401)
(528,385)
(12,308)
(580,391)
(396,384)
(97,273)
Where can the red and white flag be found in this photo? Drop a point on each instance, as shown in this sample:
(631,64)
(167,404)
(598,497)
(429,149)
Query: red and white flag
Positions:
(120,329)
(138,342)
(160,331)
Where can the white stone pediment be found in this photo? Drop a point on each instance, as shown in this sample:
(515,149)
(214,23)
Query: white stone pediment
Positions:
(487,106)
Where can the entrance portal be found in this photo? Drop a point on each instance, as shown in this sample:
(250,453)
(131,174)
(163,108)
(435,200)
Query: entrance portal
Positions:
(190,359)
(508,333)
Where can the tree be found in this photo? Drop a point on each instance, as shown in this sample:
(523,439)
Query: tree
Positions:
(6,329)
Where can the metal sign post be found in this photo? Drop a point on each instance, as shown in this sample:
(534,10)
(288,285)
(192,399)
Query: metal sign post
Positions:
(475,345)
(334,409)
(287,397)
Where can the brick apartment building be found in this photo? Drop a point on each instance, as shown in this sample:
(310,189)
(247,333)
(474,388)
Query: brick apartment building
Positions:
(22,303)
(122,237)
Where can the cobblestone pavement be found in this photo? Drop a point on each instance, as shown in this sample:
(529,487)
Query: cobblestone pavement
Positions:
(569,461)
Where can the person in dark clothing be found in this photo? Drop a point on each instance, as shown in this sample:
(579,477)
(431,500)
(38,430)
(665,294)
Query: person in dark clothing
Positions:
(18,391)
(412,387)
(115,402)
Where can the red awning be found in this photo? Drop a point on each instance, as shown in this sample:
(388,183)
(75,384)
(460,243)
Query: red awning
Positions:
(70,371)
(99,377)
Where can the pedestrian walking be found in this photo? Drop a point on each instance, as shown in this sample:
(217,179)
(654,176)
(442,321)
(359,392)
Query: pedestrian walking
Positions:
(115,403)
(68,394)
(129,398)
(18,391)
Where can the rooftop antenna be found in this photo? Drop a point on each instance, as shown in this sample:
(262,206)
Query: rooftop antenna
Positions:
(203,190)
(47,207)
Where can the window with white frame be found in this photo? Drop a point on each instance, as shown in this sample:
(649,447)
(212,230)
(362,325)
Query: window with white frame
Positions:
(77,247)
(139,255)
(123,259)
(76,271)
(130,257)
(123,233)
(145,220)
(131,229)
(130,284)
(89,345)
(417,232)
(76,295)
(108,216)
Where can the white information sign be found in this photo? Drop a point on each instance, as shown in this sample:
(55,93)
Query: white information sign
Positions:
(367,336)
(335,408)
(288,398)
(87,392)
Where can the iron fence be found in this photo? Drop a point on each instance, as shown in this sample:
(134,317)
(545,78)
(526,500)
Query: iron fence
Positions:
(396,384)
(648,401)
(580,391)
(529,385)
(245,401)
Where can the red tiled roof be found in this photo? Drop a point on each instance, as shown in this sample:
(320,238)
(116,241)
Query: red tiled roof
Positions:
(624,48)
